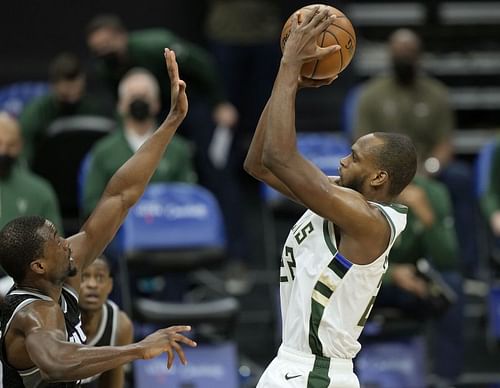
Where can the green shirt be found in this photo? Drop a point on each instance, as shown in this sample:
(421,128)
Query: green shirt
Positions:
(25,194)
(244,22)
(437,243)
(37,116)
(490,200)
(145,49)
(422,112)
(111,152)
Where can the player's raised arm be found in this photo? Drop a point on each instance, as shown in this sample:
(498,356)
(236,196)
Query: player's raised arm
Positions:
(280,155)
(129,182)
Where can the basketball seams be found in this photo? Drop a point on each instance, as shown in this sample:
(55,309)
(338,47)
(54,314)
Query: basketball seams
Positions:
(340,51)
(346,31)
(317,61)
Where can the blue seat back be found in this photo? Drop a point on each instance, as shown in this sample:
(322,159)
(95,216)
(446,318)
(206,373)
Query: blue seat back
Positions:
(173,216)
(483,166)
(323,149)
(210,366)
(14,97)
(392,364)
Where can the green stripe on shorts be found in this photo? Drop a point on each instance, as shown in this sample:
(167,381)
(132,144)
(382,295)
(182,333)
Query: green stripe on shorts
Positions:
(318,377)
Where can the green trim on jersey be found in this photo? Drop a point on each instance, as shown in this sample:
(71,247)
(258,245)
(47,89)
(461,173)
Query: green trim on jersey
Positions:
(328,239)
(318,377)
(391,223)
(402,209)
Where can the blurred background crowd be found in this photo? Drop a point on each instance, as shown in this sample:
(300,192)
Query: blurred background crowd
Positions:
(82,86)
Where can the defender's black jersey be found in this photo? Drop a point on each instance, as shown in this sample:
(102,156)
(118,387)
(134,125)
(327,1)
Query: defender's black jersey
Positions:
(18,298)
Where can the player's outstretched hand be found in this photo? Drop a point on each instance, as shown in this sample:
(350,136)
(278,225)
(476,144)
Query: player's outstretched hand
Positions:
(301,46)
(166,341)
(178,97)
(305,82)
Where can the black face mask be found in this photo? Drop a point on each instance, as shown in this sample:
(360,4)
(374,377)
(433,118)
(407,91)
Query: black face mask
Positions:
(6,164)
(111,59)
(405,71)
(139,110)
(68,108)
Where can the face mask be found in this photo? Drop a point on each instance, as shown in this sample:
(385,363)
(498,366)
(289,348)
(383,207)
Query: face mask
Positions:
(111,59)
(405,71)
(68,108)
(6,164)
(139,109)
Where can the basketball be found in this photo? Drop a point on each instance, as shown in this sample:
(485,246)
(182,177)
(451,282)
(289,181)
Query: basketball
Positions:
(341,32)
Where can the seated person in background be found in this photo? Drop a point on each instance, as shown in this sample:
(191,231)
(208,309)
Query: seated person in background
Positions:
(102,321)
(21,191)
(68,98)
(490,201)
(138,105)
(411,102)
(429,234)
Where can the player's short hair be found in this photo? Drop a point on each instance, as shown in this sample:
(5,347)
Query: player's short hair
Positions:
(109,21)
(106,261)
(398,156)
(20,244)
(65,67)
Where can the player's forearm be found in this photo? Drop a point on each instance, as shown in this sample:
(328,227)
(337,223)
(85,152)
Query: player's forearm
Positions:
(131,179)
(253,161)
(280,137)
(78,362)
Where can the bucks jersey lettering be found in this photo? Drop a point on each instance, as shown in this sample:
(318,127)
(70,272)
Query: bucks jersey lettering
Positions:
(326,299)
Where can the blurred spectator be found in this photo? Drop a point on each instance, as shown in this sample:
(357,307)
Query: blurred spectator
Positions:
(117,51)
(138,105)
(68,98)
(244,38)
(490,202)
(21,191)
(103,322)
(410,102)
(429,234)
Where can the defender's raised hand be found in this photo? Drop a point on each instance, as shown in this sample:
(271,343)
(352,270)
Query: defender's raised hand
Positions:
(178,97)
(301,45)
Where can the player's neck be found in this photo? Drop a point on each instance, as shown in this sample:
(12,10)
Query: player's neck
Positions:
(91,320)
(41,287)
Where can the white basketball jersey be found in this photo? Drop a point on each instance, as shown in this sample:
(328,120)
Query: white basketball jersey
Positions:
(326,299)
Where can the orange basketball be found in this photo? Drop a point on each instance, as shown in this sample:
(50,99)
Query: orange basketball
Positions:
(341,32)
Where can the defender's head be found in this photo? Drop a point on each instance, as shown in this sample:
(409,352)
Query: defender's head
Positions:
(31,248)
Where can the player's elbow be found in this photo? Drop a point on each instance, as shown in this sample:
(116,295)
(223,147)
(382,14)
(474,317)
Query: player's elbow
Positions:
(253,168)
(273,160)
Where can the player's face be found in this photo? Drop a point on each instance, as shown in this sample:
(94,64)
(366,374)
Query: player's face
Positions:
(57,253)
(95,286)
(357,168)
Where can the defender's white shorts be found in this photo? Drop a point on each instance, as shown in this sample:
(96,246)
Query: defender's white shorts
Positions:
(294,369)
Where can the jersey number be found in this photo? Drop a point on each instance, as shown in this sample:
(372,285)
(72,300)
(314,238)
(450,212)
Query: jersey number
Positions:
(288,263)
(304,232)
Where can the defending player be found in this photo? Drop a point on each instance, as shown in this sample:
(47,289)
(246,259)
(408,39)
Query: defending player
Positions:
(335,255)
(103,322)
(41,334)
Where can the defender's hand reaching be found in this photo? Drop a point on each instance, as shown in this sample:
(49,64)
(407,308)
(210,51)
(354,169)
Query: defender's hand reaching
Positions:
(178,97)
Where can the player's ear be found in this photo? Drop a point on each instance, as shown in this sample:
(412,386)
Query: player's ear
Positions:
(38,266)
(380,178)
